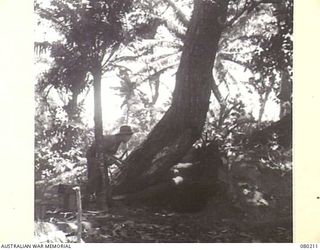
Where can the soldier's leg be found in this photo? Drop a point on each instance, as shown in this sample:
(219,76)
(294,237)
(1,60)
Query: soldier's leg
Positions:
(90,174)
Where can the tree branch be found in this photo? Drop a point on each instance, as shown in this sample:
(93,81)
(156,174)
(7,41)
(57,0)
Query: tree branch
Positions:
(50,16)
(238,15)
(226,57)
(181,16)
(216,93)
(248,7)
(113,51)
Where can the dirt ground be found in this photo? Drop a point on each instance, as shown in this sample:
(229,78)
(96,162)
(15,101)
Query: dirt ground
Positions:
(217,222)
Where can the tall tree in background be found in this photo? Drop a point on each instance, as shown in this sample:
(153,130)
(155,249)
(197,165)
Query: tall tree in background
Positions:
(183,122)
(93,30)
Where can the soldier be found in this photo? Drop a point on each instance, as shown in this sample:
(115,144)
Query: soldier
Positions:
(111,144)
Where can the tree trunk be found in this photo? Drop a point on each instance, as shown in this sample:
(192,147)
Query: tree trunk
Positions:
(285,93)
(263,102)
(72,106)
(182,124)
(217,95)
(104,196)
(73,116)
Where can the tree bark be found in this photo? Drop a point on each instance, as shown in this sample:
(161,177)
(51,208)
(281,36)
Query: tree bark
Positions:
(182,124)
(285,94)
(104,196)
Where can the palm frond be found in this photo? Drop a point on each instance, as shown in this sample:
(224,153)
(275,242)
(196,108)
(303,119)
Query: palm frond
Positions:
(41,47)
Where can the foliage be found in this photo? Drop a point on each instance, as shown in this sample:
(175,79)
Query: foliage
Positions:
(59,148)
(265,35)
(144,45)
(246,42)
(251,173)
(91,32)
(255,174)
(67,71)
(72,57)
(143,61)
(276,52)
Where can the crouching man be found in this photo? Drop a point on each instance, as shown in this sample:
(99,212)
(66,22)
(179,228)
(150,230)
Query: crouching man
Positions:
(111,144)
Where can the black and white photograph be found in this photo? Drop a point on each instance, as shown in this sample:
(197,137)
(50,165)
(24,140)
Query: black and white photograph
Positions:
(163,121)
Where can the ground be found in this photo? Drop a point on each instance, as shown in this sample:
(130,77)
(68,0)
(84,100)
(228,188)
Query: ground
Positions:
(218,222)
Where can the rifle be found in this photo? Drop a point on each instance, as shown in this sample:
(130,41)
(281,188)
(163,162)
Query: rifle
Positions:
(117,161)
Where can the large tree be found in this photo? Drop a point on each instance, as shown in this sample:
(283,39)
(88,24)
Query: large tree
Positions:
(182,124)
(207,35)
